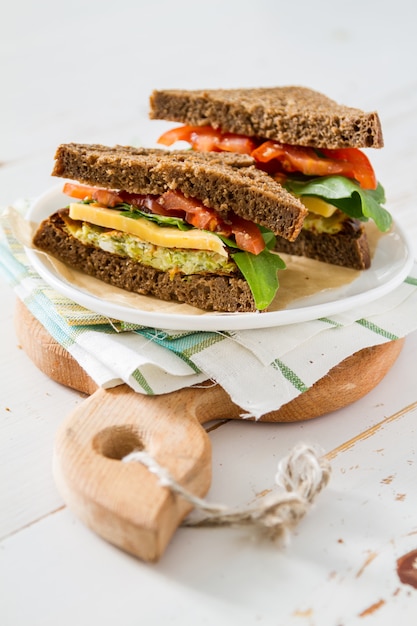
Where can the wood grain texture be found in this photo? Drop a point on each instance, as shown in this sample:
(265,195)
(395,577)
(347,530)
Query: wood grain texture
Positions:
(47,354)
(123,502)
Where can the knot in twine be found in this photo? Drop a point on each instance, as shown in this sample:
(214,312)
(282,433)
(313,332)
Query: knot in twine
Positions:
(301,476)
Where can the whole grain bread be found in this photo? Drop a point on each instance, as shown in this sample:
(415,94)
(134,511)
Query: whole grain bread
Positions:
(293,115)
(222,181)
(348,247)
(204,291)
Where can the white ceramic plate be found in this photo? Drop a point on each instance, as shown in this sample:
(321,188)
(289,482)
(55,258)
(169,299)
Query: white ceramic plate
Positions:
(391,263)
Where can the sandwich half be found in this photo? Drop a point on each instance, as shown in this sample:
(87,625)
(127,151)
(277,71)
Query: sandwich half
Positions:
(305,141)
(178,225)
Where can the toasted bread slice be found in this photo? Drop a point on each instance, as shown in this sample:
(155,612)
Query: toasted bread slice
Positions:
(221,181)
(293,115)
(347,245)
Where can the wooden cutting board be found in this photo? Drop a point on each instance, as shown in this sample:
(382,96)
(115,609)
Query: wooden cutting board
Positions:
(125,503)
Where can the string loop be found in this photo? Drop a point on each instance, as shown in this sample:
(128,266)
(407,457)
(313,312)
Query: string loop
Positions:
(301,476)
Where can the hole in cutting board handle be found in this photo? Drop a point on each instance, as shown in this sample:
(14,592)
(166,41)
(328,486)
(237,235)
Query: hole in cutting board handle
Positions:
(116,442)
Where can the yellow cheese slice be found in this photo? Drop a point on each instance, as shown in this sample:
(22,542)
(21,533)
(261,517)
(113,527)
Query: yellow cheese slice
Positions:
(147,230)
(318,206)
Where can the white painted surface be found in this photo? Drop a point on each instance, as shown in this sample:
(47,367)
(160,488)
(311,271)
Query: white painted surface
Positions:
(83,71)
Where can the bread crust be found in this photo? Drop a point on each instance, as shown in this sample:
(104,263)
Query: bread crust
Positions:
(291,114)
(222,181)
(223,293)
(347,248)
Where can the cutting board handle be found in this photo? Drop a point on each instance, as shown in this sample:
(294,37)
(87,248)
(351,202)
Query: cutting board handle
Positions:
(124,502)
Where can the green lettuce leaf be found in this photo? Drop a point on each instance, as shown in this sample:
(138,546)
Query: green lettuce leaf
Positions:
(163,220)
(347,196)
(261,270)
(261,273)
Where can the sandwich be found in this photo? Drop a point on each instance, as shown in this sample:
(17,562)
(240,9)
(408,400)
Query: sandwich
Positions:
(182,226)
(305,141)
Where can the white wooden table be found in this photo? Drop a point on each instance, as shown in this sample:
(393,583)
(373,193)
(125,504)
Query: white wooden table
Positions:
(83,71)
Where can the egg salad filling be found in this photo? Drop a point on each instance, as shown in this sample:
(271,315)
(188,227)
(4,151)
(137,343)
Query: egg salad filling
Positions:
(186,261)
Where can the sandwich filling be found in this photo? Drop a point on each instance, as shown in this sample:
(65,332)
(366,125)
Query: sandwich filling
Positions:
(166,259)
(325,180)
(175,234)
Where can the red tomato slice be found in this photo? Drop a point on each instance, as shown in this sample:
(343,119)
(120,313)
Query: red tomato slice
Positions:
(196,213)
(174,200)
(296,159)
(205,219)
(85,192)
(268,150)
(202,138)
(348,162)
(208,139)
(205,139)
(81,192)
(150,202)
(179,133)
(247,234)
(230,142)
(362,169)
(107,197)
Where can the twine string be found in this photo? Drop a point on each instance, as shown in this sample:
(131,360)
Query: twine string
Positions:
(301,476)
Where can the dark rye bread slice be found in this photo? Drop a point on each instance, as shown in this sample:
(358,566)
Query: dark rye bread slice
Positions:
(210,293)
(349,247)
(222,181)
(293,115)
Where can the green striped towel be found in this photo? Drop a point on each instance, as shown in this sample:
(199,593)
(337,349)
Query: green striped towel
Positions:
(260,369)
